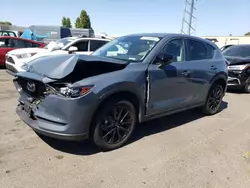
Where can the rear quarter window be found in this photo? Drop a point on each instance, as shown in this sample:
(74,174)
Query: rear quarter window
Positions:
(210,51)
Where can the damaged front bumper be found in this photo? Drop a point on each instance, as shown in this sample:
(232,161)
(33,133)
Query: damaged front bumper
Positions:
(237,79)
(56,116)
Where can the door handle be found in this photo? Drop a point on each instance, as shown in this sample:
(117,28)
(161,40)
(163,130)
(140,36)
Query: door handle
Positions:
(213,67)
(185,73)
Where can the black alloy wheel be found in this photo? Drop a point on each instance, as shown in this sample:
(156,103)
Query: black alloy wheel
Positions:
(247,88)
(114,125)
(214,100)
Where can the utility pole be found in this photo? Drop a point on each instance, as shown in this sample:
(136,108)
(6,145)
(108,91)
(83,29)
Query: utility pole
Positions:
(188,17)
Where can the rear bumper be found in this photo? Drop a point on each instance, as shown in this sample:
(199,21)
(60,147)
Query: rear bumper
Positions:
(35,126)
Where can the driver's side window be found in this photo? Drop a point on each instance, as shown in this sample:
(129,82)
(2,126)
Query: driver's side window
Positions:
(175,48)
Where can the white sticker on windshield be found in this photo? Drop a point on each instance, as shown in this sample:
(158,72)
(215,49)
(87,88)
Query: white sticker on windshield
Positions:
(150,38)
(131,58)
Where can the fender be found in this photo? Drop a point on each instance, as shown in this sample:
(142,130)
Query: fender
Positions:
(124,87)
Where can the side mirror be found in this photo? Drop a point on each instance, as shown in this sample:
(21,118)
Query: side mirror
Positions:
(72,49)
(164,59)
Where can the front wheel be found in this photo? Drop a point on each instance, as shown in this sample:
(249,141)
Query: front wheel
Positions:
(247,88)
(114,124)
(214,99)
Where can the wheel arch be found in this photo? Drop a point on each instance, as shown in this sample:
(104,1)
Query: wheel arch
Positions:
(221,79)
(126,94)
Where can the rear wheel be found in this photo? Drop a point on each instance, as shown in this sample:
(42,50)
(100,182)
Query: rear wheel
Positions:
(114,124)
(214,99)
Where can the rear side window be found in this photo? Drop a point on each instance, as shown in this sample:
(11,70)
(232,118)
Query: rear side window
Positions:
(196,50)
(82,45)
(95,44)
(210,51)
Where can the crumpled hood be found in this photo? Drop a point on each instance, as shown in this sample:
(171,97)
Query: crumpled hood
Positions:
(26,50)
(59,66)
(237,60)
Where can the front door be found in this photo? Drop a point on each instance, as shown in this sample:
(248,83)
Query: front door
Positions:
(169,86)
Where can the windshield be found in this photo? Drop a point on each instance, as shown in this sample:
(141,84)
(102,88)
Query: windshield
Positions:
(128,48)
(63,41)
(237,51)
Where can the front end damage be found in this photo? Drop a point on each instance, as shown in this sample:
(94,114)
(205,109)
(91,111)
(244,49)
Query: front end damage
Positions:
(56,106)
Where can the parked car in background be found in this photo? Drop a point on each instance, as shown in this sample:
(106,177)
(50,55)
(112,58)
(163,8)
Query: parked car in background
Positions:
(104,95)
(17,60)
(226,47)
(238,57)
(8,43)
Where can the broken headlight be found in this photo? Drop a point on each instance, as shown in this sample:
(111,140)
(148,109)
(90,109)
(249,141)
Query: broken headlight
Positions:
(75,91)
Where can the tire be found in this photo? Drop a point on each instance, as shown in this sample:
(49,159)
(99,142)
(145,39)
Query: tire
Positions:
(214,99)
(246,88)
(107,133)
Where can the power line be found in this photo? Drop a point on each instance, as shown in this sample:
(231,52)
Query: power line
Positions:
(188,25)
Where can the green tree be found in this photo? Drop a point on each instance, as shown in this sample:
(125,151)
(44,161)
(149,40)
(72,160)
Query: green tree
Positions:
(5,23)
(68,23)
(247,34)
(83,21)
(64,21)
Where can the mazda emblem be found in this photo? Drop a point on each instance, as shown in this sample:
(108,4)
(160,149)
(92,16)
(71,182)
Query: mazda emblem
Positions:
(31,86)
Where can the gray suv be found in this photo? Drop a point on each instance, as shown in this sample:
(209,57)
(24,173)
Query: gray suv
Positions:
(132,79)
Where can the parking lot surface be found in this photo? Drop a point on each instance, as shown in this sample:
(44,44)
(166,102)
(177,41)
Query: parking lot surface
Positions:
(182,150)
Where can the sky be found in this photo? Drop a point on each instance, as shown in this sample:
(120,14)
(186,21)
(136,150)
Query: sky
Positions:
(120,17)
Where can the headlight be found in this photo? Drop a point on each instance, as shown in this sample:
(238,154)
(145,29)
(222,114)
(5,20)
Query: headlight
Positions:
(74,92)
(27,55)
(238,67)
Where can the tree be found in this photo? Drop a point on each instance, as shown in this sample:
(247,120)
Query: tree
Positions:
(5,23)
(64,22)
(83,21)
(247,34)
(68,23)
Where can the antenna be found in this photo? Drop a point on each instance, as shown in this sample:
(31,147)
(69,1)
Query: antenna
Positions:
(188,18)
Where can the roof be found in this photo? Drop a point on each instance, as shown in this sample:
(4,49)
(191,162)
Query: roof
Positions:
(162,35)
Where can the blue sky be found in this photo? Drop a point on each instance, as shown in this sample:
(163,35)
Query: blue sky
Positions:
(117,17)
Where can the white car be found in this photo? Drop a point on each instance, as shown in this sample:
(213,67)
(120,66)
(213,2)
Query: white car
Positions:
(17,60)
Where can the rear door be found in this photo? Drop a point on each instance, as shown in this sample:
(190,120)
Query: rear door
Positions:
(169,86)
(202,67)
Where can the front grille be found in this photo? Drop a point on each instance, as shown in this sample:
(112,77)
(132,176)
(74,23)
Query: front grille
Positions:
(233,82)
(233,74)
(10,60)
(33,88)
